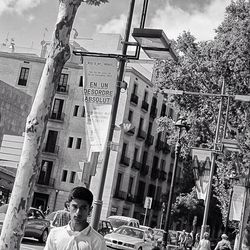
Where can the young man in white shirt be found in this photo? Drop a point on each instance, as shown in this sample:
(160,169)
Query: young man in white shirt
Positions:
(78,234)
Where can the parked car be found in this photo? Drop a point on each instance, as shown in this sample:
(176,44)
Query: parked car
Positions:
(119,220)
(104,227)
(126,238)
(36,226)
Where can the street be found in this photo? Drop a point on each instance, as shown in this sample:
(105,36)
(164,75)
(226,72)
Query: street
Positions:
(31,244)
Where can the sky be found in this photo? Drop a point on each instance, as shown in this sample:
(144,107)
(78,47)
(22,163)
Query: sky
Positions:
(29,21)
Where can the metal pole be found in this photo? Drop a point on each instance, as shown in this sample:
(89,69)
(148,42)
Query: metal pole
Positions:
(97,206)
(209,192)
(171,191)
(245,203)
(145,217)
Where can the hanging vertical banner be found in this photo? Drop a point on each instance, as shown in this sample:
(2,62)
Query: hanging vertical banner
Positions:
(237,203)
(98,93)
(201,165)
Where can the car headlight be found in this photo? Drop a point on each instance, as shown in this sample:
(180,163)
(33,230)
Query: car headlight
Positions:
(129,245)
(108,240)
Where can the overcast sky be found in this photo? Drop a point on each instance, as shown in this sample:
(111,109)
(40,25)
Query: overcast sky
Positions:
(27,21)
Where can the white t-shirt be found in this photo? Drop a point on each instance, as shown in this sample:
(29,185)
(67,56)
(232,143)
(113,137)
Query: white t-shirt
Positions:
(63,238)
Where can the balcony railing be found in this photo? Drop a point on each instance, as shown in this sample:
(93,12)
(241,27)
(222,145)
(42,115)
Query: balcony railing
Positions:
(141,135)
(149,140)
(134,99)
(154,174)
(162,175)
(130,198)
(51,150)
(48,183)
(62,89)
(125,161)
(136,165)
(144,169)
(130,132)
(144,106)
(153,112)
(58,117)
(120,195)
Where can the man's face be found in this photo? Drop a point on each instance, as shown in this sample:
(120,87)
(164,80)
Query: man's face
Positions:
(79,211)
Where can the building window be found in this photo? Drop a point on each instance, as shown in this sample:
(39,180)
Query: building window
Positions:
(70,142)
(130,185)
(145,96)
(130,115)
(83,111)
(78,143)
(72,177)
(141,124)
(57,109)
(135,154)
(23,76)
(135,88)
(118,183)
(63,79)
(170,113)
(76,108)
(81,81)
(163,109)
(124,149)
(64,175)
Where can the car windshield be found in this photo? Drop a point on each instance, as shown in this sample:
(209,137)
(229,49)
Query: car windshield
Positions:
(117,222)
(132,232)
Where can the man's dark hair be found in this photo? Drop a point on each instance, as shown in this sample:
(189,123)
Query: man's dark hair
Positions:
(81,193)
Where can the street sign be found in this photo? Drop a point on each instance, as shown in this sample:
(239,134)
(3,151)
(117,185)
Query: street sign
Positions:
(173,91)
(148,202)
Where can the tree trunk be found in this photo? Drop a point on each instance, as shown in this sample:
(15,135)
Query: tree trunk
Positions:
(29,166)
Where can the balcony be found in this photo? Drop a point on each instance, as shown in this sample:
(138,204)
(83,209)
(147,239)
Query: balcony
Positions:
(153,112)
(48,183)
(136,165)
(165,148)
(144,106)
(134,99)
(62,89)
(130,132)
(149,140)
(144,169)
(162,175)
(159,145)
(141,135)
(57,117)
(125,161)
(120,195)
(154,174)
(50,149)
(130,198)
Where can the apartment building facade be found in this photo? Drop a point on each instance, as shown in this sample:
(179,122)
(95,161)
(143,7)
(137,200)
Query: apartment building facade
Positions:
(139,166)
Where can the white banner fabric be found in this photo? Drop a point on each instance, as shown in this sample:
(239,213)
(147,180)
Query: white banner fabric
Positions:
(237,203)
(99,91)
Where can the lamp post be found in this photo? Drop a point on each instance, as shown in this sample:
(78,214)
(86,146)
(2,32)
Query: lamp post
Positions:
(180,124)
(150,36)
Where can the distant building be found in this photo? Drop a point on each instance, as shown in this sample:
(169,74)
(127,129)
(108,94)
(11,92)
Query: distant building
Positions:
(140,163)
(14,109)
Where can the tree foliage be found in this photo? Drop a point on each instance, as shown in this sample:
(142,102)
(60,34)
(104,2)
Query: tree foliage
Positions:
(203,66)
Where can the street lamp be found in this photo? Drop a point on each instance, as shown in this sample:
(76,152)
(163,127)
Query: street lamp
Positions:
(180,124)
(97,205)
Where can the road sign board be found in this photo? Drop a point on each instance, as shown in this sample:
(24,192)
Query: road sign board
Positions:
(148,202)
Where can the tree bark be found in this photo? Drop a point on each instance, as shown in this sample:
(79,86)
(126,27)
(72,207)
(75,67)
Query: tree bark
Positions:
(29,166)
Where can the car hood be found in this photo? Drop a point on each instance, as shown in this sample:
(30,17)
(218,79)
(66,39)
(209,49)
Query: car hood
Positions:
(123,238)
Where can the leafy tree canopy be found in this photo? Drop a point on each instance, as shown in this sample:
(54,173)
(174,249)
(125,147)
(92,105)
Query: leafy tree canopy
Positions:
(203,67)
